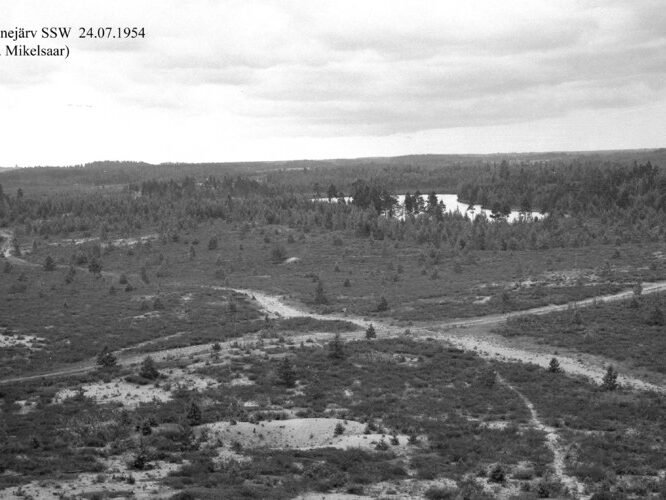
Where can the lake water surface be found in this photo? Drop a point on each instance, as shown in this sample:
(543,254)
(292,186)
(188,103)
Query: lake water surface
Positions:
(452,205)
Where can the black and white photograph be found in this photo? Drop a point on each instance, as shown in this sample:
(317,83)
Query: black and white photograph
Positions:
(332,250)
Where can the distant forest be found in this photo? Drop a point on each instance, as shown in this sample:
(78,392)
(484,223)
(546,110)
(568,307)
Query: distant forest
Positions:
(593,198)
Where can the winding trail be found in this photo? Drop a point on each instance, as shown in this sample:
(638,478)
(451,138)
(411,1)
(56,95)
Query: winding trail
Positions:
(474,334)
(574,486)
(471,334)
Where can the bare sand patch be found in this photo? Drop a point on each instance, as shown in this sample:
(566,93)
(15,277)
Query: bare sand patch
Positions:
(298,433)
(18,340)
(117,391)
(114,481)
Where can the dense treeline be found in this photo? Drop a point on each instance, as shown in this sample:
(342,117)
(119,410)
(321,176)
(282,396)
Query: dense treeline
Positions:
(587,202)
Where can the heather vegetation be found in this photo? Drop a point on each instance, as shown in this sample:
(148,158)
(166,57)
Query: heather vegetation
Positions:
(215,331)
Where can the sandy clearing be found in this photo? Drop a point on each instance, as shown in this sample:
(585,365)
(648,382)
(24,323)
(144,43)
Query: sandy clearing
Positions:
(114,479)
(117,391)
(299,433)
(18,340)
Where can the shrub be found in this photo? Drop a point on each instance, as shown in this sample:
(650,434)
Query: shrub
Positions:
(212,243)
(497,474)
(336,348)
(382,446)
(106,358)
(382,305)
(609,382)
(148,369)
(441,492)
(286,372)
(554,366)
(347,283)
(193,414)
(95,267)
(49,264)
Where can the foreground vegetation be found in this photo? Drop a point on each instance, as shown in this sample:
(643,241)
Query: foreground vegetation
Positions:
(106,264)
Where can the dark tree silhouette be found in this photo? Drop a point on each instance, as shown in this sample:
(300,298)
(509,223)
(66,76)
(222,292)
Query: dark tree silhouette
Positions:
(148,369)
(554,366)
(336,349)
(106,358)
(609,382)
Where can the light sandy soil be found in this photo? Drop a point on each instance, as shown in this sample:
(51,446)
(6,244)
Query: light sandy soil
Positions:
(473,334)
(19,340)
(299,433)
(119,242)
(131,395)
(117,391)
(147,485)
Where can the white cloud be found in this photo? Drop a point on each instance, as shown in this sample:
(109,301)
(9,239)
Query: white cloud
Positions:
(250,79)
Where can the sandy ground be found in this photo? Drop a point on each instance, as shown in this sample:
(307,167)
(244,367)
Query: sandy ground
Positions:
(117,391)
(131,395)
(19,340)
(299,433)
(114,479)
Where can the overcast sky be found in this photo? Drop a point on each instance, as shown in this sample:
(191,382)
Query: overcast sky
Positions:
(262,80)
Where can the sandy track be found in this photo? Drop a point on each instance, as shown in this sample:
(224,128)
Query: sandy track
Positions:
(552,442)
(472,334)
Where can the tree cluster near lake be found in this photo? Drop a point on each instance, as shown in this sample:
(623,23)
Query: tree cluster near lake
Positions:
(587,201)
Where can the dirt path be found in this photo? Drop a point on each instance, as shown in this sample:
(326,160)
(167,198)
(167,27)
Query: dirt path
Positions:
(472,334)
(575,487)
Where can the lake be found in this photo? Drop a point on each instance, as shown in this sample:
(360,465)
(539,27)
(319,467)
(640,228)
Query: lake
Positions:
(452,205)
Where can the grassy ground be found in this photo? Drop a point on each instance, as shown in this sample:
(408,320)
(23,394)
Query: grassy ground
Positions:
(419,282)
(78,319)
(623,331)
(616,437)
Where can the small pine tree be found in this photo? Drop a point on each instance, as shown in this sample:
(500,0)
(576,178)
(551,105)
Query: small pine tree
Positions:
(192,252)
(320,295)
(554,366)
(336,348)
(497,474)
(144,275)
(609,382)
(347,283)
(193,414)
(212,243)
(148,369)
(370,333)
(49,264)
(339,429)
(286,372)
(217,347)
(106,358)
(382,305)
